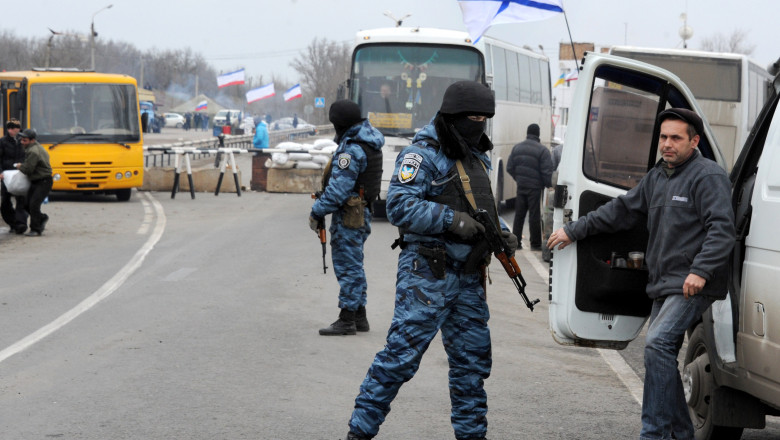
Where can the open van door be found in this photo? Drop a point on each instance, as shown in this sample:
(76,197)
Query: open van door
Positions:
(611,143)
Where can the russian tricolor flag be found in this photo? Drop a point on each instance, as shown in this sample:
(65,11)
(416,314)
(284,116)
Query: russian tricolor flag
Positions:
(203,105)
(231,79)
(292,93)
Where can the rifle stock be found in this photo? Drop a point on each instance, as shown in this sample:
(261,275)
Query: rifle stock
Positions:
(322,234)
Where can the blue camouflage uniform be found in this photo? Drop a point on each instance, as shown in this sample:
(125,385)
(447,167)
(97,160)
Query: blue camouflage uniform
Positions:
(424,304)
(349,160)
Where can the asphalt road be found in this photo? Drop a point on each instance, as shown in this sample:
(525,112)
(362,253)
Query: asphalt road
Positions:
(164,318)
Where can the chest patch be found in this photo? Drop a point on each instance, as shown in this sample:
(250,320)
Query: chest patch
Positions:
(344,160)
(409,167)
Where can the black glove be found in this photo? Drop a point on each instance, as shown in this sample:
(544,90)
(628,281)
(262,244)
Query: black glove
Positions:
(464,226)
(314,222)
(511,241)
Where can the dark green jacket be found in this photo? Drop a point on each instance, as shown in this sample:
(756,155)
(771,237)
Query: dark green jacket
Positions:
(36,162)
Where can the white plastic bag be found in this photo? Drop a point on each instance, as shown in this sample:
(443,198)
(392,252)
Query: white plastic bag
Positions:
(16,182)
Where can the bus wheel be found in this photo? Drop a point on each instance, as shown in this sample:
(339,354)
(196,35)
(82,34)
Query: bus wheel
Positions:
(123,195)
(699,385)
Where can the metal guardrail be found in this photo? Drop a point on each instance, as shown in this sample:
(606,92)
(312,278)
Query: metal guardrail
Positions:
(163,154)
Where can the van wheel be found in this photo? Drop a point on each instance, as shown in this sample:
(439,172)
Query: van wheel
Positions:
(699,385)
(123,195)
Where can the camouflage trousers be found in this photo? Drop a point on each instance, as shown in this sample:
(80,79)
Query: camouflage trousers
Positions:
(346,246)
(424,305)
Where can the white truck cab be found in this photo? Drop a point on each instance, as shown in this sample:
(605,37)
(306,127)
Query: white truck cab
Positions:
(732,365)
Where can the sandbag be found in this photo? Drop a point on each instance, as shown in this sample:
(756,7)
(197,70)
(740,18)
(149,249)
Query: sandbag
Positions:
(320,158)
(298,157)
(319,144)
(280,158)
(16,182)
(271,164)
(308,165)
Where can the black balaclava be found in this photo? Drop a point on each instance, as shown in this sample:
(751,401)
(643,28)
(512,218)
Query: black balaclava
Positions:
(456,132)
(343,115)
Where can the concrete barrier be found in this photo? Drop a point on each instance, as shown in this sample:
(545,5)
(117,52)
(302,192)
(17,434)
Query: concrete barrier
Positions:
(293,181)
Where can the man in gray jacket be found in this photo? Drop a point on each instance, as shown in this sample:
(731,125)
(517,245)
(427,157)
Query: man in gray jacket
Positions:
(685,200)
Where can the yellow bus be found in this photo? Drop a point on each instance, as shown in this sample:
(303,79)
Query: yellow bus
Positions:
(88,122)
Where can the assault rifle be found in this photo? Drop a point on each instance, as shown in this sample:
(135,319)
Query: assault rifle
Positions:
(501,250)
(321,233)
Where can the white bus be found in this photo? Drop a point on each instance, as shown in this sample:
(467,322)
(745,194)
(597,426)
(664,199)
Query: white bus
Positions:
(730,88)
(398,77)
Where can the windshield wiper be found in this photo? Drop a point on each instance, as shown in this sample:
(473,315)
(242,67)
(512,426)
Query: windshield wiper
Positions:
(66,139)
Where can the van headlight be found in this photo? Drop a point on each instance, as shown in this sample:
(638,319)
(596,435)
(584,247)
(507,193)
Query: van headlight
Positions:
(56,177)
(118,176)
(128,174)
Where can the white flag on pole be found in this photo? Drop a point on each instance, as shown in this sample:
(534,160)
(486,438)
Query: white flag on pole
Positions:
(231,79)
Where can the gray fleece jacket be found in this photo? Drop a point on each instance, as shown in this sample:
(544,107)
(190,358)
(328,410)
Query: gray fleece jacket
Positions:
(690,220)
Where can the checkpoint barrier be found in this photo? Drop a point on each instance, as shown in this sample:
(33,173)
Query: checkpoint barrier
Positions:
(183,152)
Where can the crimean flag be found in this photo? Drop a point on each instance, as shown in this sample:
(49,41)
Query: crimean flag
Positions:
(259,93)
(479,15)
(292,93)
(203,105)
(573,75)
(231,79)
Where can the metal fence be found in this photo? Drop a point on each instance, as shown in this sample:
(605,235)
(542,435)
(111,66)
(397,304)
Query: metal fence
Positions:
(162,155)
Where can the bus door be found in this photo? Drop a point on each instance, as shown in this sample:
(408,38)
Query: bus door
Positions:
(611,143)
(10,101)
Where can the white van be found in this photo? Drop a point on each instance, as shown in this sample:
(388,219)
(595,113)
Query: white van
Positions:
(731,372)
(221,116)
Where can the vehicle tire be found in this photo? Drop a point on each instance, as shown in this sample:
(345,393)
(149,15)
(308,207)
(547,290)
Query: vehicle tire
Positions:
(123,195)
(699,385)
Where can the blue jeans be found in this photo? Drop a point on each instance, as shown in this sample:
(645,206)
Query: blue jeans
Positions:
(664,410)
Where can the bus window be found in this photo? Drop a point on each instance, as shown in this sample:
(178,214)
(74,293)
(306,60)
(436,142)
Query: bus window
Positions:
(525,78)
(512,77)
(500,80)
(536,82)
(545,72)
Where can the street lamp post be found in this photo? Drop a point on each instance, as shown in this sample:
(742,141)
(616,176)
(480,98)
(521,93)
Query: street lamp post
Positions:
(92,33)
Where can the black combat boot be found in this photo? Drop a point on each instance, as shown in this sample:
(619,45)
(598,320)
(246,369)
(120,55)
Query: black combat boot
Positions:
(352,436)
(361,322)
(345,325)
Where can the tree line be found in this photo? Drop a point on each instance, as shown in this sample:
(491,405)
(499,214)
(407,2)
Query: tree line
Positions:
(175,74)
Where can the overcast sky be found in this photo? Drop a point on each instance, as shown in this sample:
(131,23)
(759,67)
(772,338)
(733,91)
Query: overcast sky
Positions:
(265,36)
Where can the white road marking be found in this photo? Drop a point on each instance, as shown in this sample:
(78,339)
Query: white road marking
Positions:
(148,218)
(100,294)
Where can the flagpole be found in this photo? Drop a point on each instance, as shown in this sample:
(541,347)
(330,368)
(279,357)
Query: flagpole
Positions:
(571,40)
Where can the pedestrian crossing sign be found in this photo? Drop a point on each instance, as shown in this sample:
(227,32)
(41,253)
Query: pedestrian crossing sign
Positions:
(319,102)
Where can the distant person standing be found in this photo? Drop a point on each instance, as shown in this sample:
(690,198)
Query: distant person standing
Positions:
(295,120)
(37,168)
(530,164)
(261,135)
(11,153)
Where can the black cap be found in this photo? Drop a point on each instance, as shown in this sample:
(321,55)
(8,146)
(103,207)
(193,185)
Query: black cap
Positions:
(13,123)
(468,97)
(685,115)
(29,133)
(533,129)
(344,113)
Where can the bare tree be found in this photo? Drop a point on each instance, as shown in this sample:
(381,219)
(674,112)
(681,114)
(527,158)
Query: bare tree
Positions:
(322,67)
(736,42)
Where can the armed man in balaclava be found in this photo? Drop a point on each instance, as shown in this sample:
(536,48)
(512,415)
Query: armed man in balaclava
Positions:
(350,184)
(440,282)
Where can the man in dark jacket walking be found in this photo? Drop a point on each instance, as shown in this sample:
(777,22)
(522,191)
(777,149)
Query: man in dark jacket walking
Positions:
(37,168)
(530,164)
(11,153)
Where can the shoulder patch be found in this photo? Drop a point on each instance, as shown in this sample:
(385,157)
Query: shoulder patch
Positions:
(409,167)
(344,160)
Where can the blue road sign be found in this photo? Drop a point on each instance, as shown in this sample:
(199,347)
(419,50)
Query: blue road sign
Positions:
(319,102)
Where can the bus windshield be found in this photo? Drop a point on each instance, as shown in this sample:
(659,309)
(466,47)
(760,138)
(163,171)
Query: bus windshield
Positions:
(98,113)
(399,87)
